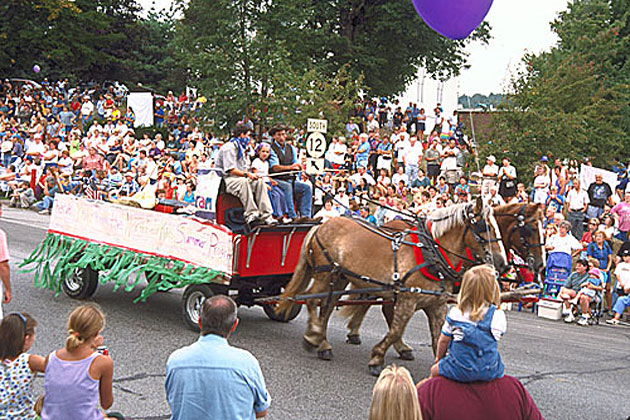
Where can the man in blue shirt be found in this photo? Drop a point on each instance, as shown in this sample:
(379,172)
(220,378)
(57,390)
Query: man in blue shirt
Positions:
(159,116)
(211,379)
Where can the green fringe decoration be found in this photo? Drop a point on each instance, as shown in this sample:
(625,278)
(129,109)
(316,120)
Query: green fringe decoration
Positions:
(57,256)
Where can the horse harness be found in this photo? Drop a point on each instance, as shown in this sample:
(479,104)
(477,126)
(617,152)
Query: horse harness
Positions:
(432,254)
(525,231)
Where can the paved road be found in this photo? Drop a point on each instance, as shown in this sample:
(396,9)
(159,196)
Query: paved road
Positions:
(572,372)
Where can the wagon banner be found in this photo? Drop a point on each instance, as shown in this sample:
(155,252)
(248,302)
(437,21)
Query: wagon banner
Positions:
(120,241)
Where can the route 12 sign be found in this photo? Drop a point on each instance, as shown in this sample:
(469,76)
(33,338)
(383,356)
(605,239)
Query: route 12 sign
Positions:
(315,145)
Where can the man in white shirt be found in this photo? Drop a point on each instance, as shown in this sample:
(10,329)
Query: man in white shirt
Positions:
(372,124)
(361,173)
(576,205)
(400,175)
(94,127)
(490,173)
(449,162)
(35,148)
(336,152)
(342,201)
(86,111)
(399,139)
(412,157)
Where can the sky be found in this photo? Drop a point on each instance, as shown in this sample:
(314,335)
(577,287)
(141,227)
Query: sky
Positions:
(516,26)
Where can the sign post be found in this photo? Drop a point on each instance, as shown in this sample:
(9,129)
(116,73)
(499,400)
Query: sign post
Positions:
(315,146)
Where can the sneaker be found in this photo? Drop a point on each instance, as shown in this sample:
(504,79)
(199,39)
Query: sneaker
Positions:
(612,321)
(569,318)
(45,211)
(583,321)
(251,220)
(287,220)
(269,220)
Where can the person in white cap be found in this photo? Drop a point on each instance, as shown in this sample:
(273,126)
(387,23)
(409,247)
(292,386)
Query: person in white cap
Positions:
(490,173)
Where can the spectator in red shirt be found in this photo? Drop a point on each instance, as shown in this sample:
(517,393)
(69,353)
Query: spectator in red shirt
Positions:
(93,161)
(75,105)
(503,398)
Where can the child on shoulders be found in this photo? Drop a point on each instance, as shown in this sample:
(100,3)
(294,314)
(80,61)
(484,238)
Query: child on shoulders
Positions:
(472,331)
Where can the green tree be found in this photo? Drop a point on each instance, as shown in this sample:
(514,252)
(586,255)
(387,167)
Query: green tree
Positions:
(153,60)
(302,96)
(386,41)
(25,28)
(573,100)
(87,40)
(239,52)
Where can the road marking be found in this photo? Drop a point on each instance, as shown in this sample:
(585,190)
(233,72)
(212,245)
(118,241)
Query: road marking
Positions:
(23,223)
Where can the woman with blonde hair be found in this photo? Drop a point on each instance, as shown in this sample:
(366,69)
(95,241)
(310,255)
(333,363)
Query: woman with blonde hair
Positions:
(394,396)
(472,330)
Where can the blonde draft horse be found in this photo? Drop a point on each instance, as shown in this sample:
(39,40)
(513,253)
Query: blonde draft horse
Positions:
(348,247)
(521,231)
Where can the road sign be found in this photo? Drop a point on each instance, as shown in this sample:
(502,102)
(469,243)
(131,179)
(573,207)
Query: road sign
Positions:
(316,126)
(315,145)
(314,166)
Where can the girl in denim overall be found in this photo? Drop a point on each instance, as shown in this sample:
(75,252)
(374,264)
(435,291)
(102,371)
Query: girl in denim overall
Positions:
(472,330)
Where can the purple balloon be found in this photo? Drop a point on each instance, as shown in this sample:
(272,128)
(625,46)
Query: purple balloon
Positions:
(455,19)
(36,68)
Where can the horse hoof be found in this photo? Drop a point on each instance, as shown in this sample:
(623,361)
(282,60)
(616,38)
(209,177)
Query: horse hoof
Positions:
(353,339)
(406,355)
(307,345)
(325,354)
(375,370)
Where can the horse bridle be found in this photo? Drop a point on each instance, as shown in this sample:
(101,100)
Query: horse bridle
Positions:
(477,225)
(525,231)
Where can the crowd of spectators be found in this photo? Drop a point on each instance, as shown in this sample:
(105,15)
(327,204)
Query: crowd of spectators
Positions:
(55,138)
(80,140)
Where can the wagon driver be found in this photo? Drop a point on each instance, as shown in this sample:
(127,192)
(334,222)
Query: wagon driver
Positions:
(235,166)
(284,158)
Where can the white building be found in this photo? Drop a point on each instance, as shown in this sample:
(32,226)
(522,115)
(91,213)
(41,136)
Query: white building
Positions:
(428,92)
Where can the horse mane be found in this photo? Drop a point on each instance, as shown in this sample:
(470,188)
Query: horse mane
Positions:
(447,218)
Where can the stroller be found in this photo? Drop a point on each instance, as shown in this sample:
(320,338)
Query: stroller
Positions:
(557,271)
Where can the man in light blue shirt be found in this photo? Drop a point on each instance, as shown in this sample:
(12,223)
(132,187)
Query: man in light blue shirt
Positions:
(211,379)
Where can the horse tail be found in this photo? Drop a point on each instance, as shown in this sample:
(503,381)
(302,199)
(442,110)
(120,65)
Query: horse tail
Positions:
(300,279)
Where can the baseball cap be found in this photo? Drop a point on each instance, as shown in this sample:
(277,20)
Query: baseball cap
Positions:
(594,272)
(544,159)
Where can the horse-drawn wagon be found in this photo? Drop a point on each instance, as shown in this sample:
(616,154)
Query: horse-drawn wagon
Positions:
(91,242)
